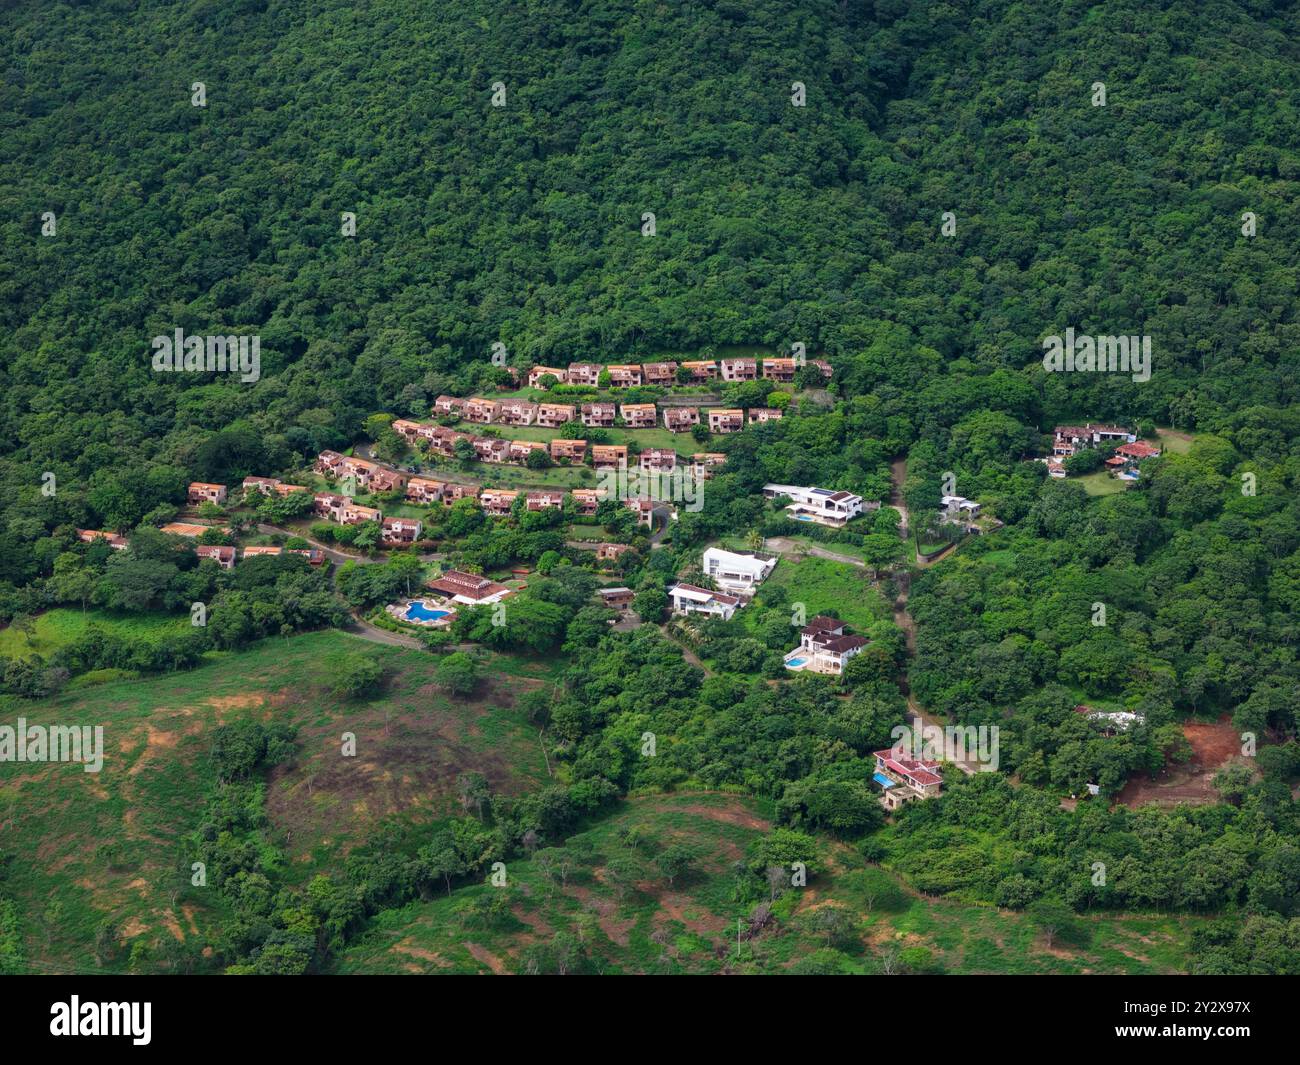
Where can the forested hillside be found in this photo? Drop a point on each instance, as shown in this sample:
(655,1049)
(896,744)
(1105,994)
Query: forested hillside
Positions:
(522,223)
(947,193)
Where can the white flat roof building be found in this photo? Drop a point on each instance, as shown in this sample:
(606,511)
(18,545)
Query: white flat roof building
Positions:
(688,599)
(821,505)
(737,571)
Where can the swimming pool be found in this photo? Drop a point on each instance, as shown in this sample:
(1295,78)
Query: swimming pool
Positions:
(418,611)
(795,663)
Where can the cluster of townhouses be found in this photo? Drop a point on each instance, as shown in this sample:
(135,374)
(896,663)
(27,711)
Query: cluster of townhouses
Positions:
(520,412)
(822,506)
(426,491)
(223,555)
(442,441)
(1069,440)
(631,375)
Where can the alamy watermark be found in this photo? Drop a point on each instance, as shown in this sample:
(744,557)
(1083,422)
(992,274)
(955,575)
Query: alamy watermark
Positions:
(676,485)
(55,743)
(1102,354)
(208,354)
(966,744)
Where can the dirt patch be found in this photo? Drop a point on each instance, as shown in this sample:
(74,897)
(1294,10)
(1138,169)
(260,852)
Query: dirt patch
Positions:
(674,907)
(1214,745)
(133,928)
(730,814)
(407,947)
(408,761)
(486,957)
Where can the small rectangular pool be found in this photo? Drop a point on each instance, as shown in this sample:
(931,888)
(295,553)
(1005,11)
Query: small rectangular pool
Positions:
(795,663)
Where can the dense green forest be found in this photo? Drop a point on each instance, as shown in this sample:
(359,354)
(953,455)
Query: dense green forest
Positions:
(774,224)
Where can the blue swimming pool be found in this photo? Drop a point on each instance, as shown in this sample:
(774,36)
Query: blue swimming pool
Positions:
(421,612)
(882,780)
(795,663)
(803,517)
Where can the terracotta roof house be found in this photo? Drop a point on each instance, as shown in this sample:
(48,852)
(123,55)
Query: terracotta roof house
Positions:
(598,415)
(658,458)
(586,500)
(490,449)
(645,510)
(779,369)
(584,373)
(553,415)
(406,429)
(624,376)
(449,405)
(329,462)
(482,411)
(468,588)
(355,514)
(726,420)
(221,555)
(521,449)
(517,412)
(89,536)
(824,367)
(681,419)
(258,550)
(284,489)
(203,492)
(497,502)
(452,492)
(314,555)
(704,370)
(765,414)
(424,490)
(608,456)
(538,372)
(739,369)
(1137,451)
(689,599)
(639,415)
(329,505)
(545,500)
(659,373)
(265,485)
(905,778)
(573,450)
(611,552)
(387,479)
(617,598)
(400,530)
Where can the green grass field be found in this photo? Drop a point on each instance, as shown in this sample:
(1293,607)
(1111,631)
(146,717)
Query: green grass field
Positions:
(56,628)
(1101,483)
(110,844)
(621,915)
(822,585)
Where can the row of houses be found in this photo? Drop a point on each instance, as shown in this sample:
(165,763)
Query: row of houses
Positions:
(520,412)
(490,449)
(1068,440)
(630,375)
(205,492)
(225,556)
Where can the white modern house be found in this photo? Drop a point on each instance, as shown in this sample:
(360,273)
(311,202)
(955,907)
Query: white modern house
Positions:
(959,509)
(824,647)
(820,505)
(688,599)
(737,571)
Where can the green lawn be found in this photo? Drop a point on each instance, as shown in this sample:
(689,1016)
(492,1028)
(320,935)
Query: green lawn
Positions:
(822,585)
(1101,483)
